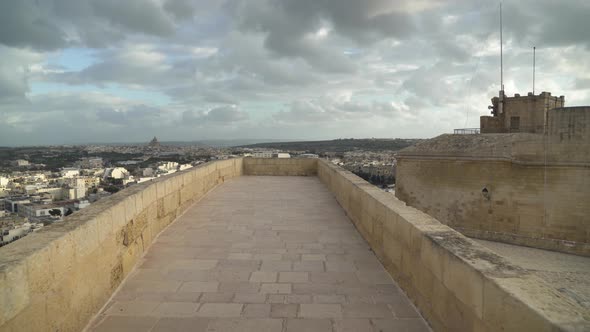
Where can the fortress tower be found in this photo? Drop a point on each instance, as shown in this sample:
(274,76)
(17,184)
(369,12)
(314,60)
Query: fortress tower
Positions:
(521,114)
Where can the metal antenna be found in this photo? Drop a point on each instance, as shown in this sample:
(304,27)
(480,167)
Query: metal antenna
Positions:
(534,60)
(501,51)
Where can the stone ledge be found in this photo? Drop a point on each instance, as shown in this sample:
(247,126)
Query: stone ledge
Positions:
(59,277)
(456,283)
(280,167)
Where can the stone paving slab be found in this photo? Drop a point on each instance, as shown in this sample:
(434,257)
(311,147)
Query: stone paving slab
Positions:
(261,254)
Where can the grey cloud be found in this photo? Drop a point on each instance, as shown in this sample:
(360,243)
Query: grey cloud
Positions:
(223,115)
(379,66)
(13,83)
(329,110)
(137,115)
(26,23)
(582,83)
(15,73)
(51,25)
(136,15)
(181,9)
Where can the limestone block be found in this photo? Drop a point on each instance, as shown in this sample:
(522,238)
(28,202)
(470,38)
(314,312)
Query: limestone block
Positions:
(465,283)
(161,188)
(59,302)
(392,249)
(63,255)
(403,234)
(147,237)
(161,208)
(440,295)
(368,209)
(507,311)
(409,265)
(118,216)
(33,317)
(83,298)
(187,192)
(198,187)
(152,212)
(104,225)
(168,185)
(131,256)
(39,276)
(184,206)
(354,206)
(14,291)
(85,239)
(188,178)
(149,195)
(425,282)
(135,227)
(433,257)
(171,202)
(130,207)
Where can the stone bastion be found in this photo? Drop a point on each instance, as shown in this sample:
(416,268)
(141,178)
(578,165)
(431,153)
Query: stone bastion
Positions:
(58,278)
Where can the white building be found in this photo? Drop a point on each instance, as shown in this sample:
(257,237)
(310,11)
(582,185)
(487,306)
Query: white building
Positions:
(90,162)
(38,210)
(148,172)
(19,162)
(76,193)
(12,204)
(263,154)
(9,235)
(145,179)
(168,166)
(270,154)
(4,181)
(70,172)
(116,173)
(56,192)
(184,166)
(308,155)
(81,204)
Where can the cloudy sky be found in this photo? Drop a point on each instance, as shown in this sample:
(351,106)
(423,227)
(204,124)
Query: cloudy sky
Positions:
(76,71)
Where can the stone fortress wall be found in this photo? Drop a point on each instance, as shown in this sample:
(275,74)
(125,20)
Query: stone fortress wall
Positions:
(456,283)
(531,205)
(520,188)
(59,278)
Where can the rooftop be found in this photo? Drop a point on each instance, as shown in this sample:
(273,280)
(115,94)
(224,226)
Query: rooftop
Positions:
(516,147)
(261,252)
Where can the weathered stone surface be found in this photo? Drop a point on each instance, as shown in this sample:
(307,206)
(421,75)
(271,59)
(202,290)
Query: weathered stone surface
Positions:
(266,240)
(260,248)
(448,276)
(71,268)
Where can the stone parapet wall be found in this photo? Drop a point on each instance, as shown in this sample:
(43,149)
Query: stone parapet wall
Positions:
(59,277)
(280,166)
(457,284)
(533,205)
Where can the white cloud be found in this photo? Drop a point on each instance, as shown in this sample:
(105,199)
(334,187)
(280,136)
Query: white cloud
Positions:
(276,68)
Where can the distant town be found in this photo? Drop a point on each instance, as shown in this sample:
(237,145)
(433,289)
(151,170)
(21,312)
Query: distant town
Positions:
(41,185)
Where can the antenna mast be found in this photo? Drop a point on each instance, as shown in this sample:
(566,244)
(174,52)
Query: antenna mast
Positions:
(501,51)
(501,94)
(534,62)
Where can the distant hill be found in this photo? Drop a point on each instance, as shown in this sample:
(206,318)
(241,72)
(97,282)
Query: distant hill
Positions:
(339,145)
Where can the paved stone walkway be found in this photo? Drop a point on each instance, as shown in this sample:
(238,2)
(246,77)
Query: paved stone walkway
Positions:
(261,254)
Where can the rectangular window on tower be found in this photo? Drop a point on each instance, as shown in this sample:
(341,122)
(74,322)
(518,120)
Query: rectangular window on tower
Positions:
(514,122)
